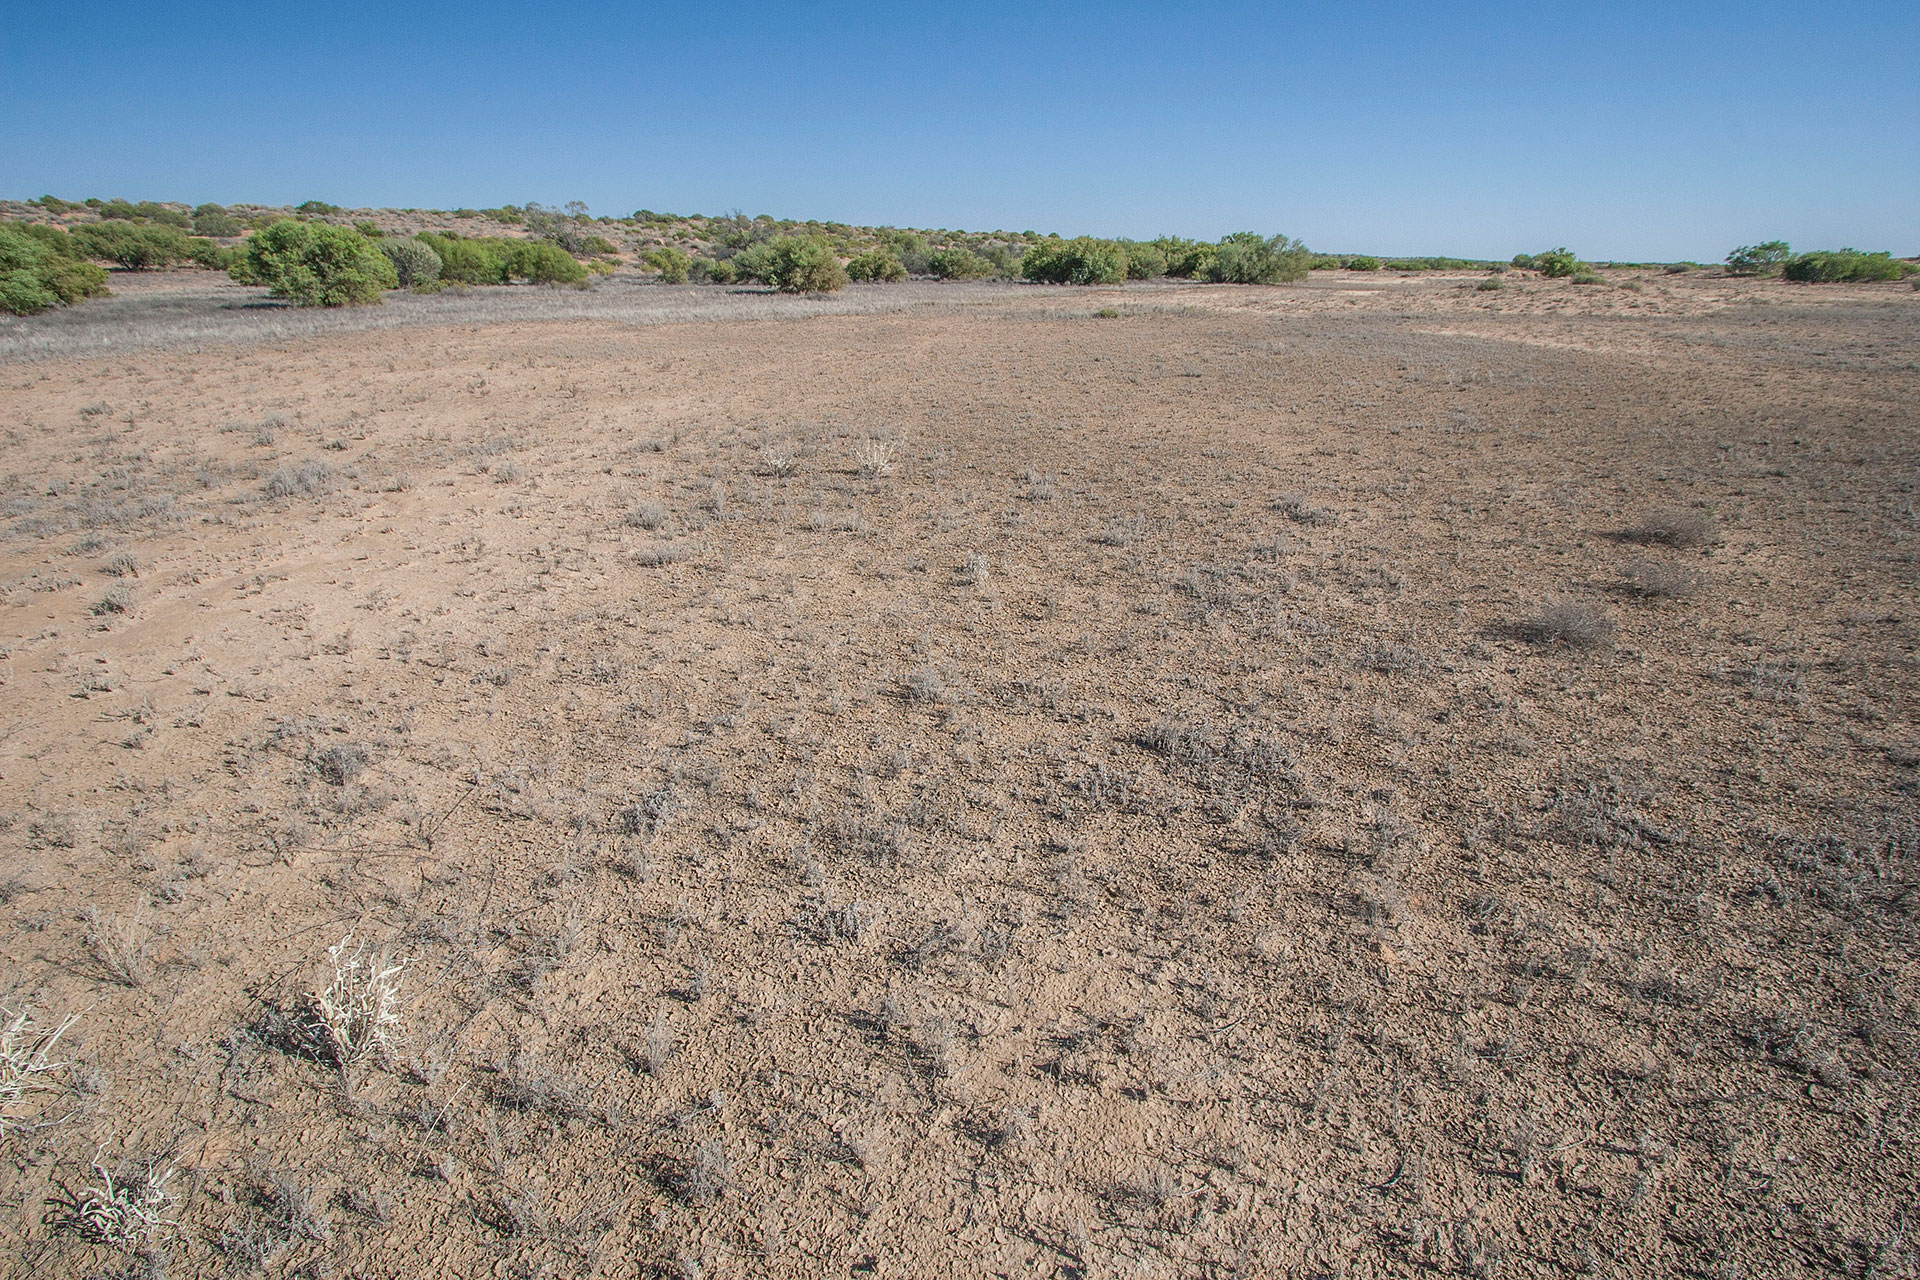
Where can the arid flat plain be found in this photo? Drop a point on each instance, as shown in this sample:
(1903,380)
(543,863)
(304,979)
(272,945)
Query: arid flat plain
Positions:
(1370,778)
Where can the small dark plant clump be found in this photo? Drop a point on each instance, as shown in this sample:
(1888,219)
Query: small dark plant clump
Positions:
(1572,623)
(1675,527)
(1364,262)
(1661,580)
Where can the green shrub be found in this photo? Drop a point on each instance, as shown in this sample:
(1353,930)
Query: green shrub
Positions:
(1764,259)
(214,220)
(1185,258)
(415,263)
(1555,263)
(35,276)
(317,209)
(57,241)
(1144,261)
(599,247)
(468,261)
(1083,260)
(957,264)
(1522,262)
(877,265)
(672,264)
(803,264)
(1491,283)
(313,264)
(753,262)
(203,252)
(1248,258)
(145,211)
(1584,276)
(1364,262)
(541,262)
(1831,266)
(712,271)
(137,248)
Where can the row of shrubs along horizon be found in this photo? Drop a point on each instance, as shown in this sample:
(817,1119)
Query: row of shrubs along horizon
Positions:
(312,263)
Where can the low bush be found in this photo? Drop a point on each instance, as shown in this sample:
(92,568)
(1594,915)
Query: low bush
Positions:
(203,252)
(135,247)
(957,264)
(214,220)
(1833,266)
(540,262)
(802,264)
(1364,262)
(1522,262)
(415,263)
(313,264)
(1144,261)
(1555,263)
(753,262)
(1246,257)
(147,211)
(672,264)
(1079,261)
(1764,259)
(35,275)
(468,261)
(1186,259)
(877,265)
(712,271)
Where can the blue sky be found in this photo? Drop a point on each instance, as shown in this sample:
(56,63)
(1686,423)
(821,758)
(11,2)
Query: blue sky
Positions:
(1625,130)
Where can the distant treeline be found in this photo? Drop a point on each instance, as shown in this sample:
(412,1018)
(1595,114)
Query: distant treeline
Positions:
(318,253)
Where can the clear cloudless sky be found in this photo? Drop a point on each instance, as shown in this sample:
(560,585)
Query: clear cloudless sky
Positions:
(1627,130)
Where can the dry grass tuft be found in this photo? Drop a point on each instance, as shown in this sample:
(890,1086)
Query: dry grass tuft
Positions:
(1572,623)
(27,1065)
(1676,527)
(357,1014)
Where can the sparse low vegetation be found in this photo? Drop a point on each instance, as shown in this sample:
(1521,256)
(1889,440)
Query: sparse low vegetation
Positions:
(948,778)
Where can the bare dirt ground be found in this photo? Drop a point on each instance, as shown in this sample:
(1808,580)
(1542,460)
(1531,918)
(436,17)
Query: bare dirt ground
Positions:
(1376,778)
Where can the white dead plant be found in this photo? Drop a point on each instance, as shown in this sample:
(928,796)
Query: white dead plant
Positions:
(358,1014)
(27,1065)
(875,458)
(131,1213)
